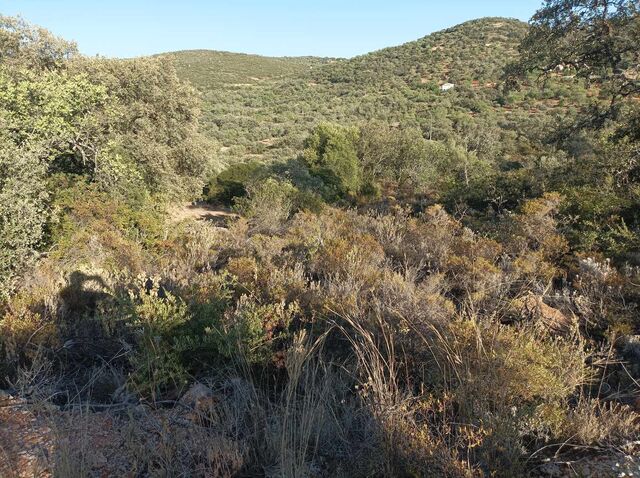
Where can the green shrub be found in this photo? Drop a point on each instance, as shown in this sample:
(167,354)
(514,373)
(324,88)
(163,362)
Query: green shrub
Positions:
(268,203)
(157,317)
(232,182)
(331,153)
(23,212)
(255,331)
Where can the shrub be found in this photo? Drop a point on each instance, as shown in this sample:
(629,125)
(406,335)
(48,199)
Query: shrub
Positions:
(157,318)
(232,182)
(23,212)
(593,422)
(268,204)
(331,153)
(253,330)
(504,379)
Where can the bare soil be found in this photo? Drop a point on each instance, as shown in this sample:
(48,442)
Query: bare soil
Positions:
(217,215)
(42,443)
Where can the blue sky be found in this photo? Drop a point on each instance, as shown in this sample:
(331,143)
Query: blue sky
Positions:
(339,28)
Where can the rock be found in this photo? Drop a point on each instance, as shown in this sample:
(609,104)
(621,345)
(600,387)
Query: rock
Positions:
(200,402)
(551,470)
(5,397)
(534,307)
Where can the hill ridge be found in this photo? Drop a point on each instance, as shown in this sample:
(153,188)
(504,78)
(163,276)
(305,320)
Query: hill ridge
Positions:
(266,116)
(301,57)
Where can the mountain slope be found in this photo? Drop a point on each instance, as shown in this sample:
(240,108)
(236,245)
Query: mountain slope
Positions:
(473,51)
(266,120)
(208,68)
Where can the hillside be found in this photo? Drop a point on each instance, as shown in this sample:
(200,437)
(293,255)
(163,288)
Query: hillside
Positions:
(208,68)
(267,120)
(475,51)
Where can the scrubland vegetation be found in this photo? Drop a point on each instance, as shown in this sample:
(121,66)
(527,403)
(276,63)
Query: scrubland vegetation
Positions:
(416,283)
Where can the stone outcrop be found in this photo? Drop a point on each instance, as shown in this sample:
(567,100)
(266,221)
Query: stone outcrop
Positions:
(532,307)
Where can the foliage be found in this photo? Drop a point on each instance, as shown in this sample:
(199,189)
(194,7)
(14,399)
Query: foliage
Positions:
(23,212)
(130,127)
(402,156)
(25,45)
(268,203)
(231,182)
(331,153)
(156,365)
(596,40)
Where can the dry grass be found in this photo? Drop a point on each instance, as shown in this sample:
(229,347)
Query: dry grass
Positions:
(371,345)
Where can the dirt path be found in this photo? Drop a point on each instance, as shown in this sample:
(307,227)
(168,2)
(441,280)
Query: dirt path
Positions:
(25,441)
(201,211)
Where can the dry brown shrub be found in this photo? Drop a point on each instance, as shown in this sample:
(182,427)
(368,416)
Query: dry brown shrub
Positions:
(593,422)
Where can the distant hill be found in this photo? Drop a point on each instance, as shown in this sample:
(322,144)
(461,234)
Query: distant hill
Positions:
(208,68)
(473,51)
(262,108)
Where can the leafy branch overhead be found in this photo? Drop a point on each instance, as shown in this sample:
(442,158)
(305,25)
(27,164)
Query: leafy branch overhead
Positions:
(594,40)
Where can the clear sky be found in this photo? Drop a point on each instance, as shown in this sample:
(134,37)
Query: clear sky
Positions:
(338,28)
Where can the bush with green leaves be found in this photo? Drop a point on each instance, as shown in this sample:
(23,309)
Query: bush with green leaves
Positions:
(255,331)
(232,182)
(128,126)
(23,210)
(332,154)
(399,155)
(157,317)
(268,203)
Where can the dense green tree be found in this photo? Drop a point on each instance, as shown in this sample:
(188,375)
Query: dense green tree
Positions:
(51,108)
(332,154)
(129,126)
(23,209)
(25,45)
(153,118)
(397,154)
(597,40)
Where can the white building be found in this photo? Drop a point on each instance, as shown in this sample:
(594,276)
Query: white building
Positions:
(447,86)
